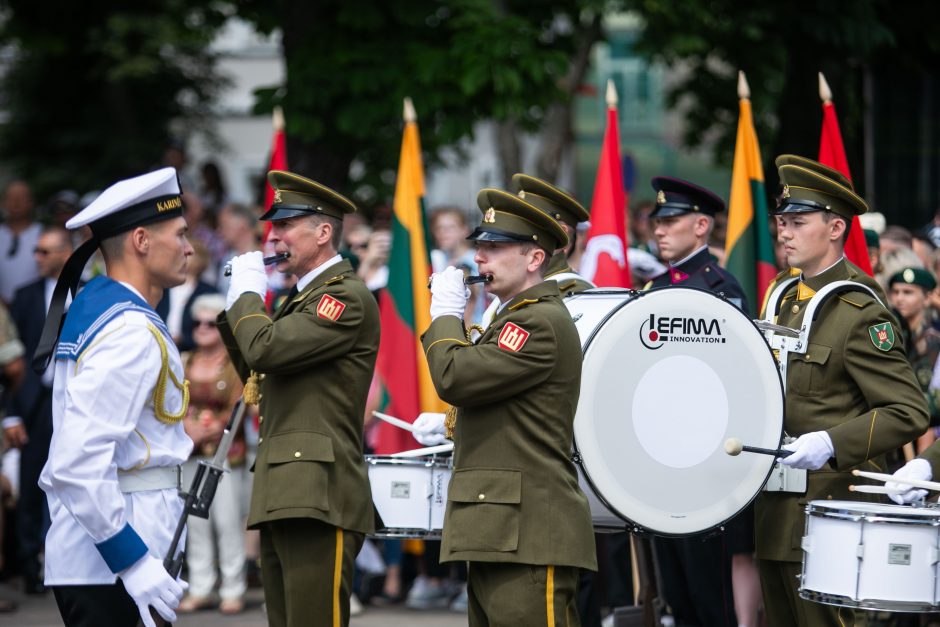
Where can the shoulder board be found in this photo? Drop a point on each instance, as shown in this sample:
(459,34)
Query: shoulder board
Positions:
(857,299)
(712,274)
(567,286)
(648,285)
(522,303)
(335,279)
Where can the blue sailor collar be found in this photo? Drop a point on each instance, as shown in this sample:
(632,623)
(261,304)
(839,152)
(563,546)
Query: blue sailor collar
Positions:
(99,302)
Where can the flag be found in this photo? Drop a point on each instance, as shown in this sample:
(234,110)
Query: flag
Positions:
(405,302)
(832,154)
(605,255)
(277,161)
(749,253)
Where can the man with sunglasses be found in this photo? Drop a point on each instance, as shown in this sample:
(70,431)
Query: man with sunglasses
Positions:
(28,422)
(314,360)
(19,234)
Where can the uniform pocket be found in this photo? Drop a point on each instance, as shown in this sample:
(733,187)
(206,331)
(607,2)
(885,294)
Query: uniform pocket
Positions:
(485,507)
(299,466)
(806,373)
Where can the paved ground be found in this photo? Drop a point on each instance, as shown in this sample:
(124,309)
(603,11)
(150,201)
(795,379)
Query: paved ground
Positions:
(41,610)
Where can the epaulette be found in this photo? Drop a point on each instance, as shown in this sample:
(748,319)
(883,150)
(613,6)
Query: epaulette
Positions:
(335,279)
(648,285)
(857,299)
(567,286)
(712,275)
(522,303)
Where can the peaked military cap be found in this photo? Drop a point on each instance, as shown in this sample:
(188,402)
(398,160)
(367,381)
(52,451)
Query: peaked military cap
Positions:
(675,197)
(508,218)
(295,195)
(130,203)
(552,200)
(914,276)
(806,190)
(816,166)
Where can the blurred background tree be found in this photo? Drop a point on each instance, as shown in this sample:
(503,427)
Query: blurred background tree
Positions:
(879,56)
(351,62)
(93,88)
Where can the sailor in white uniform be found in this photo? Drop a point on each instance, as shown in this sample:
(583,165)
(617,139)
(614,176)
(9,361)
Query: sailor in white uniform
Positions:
(118,400)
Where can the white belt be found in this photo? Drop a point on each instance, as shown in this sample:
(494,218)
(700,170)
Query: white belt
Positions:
(144,479)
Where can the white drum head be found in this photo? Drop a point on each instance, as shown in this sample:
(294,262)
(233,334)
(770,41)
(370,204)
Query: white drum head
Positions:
(668,376)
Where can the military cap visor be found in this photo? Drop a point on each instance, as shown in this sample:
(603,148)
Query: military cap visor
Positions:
(806,190)
(552,200)
(676,197)
(914,276)
(508,218)
(295,195)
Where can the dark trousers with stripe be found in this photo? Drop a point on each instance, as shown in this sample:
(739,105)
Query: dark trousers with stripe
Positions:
(780,583)
(522,595)
(307,571)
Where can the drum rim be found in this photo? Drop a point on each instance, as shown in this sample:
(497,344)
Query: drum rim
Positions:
(884,605)
(844,512)
(428,462)
(628,522)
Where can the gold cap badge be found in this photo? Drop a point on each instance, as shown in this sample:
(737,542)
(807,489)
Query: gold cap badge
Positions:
(661,198)
(908,276)
(277,196)
(522,194)
(490,216)
(786,191)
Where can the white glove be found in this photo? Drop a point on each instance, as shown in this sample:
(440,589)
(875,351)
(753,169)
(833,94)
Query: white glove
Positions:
(429,428)
(449,295)
(248,275)
(810,451)
(915,469)
(148,583)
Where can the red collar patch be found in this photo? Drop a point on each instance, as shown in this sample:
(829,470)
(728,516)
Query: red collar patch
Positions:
(330,308)
(513,337)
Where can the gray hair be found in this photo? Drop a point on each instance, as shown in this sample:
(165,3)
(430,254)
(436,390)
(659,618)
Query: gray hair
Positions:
(212,303)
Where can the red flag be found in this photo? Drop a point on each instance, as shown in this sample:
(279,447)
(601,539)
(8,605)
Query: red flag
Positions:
(278,161)
(605,256)
(832,153)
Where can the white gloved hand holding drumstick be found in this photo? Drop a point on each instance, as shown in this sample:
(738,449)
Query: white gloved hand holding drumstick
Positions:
(915,469)
(429,428)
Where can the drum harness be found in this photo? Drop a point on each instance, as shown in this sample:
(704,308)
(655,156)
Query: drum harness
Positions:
(784,341)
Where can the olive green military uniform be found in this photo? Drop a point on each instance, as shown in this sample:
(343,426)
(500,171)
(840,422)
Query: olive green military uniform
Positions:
(858,387)
(515,510)
(311,497)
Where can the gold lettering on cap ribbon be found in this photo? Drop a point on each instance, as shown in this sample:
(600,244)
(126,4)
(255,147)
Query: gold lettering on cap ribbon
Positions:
(169,205)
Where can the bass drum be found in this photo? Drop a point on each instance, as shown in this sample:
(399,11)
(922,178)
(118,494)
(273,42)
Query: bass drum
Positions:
(668,376)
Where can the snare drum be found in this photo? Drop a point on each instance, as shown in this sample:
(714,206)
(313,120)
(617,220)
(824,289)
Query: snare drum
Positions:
(668,376)
(871,556)
(410,495)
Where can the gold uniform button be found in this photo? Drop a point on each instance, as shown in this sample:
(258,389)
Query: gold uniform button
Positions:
(296,453)
(260,419)
(481,496)
(795,309)
(260,440)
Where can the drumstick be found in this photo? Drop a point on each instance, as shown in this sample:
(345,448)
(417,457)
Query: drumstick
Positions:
(734,447)
(880,476)
(398,422)
(427,450)
(875,489)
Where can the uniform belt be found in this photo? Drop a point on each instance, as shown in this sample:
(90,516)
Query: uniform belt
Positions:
(162,478)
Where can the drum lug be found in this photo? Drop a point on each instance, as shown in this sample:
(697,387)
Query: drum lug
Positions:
(576,458)
(576,317)
(860,551)
(933,555)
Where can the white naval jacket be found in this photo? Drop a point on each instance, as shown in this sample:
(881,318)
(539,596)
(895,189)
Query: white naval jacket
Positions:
(104,420)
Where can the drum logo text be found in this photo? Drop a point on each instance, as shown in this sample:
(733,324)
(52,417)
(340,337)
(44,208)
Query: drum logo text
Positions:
(656,331)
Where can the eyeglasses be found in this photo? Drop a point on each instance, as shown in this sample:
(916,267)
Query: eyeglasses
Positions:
(209,323)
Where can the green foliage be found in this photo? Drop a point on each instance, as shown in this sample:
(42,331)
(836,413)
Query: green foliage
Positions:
(93,87)
(350,63)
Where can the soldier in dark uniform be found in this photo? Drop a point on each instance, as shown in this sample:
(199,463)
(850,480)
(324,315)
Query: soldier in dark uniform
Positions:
(851,397)
(569,212)
(696,571)
(314,359)
(515,511)
(682,220)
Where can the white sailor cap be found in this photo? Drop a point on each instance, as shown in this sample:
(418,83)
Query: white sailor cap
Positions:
(130,203)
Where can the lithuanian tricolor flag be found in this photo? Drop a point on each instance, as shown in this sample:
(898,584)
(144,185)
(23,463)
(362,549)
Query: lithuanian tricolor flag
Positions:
(404,304)
(749,253)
